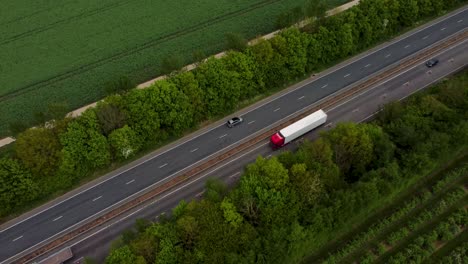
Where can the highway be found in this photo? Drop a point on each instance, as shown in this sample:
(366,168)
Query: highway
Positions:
(42,226)
(358,109)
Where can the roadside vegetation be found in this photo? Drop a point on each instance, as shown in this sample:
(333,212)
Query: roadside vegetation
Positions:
(55,52)
(53,158)
(389,191)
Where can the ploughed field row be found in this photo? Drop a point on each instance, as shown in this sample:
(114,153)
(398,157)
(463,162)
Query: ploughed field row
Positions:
(416,228)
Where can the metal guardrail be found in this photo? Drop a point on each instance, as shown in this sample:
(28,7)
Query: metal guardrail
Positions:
(332,100)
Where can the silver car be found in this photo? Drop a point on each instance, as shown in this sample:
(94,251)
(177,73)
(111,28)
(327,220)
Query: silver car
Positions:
(234,121)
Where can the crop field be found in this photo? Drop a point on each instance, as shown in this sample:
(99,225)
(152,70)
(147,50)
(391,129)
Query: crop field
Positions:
(66,51)
(428,227)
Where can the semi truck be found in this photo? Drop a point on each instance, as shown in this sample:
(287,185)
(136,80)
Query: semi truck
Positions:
(297,129)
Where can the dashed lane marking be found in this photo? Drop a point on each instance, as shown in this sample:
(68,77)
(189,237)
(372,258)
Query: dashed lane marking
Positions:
(130,182)
(17,238)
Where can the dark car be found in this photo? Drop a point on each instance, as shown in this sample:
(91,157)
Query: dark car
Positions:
(432,62)
(234,121)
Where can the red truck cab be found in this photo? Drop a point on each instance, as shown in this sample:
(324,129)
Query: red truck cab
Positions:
(277,140)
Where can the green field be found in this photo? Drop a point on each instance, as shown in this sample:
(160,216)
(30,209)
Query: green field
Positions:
(66,51)
(417,228)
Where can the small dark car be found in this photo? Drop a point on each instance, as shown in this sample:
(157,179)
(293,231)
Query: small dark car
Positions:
(234,121)
(432,62)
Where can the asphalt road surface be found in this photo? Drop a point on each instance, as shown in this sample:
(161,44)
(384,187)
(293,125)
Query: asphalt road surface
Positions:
(31,231)
(360,108)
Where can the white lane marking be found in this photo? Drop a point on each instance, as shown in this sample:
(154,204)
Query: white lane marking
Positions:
(329,124)
(300,98)
(189,139)
(269,156)
(130,182)
(459,21)
(223,136)
(162,197)
(388,55)
(199,194)
(162,166)
(346,75)
(355,110)
(407,46)
(193,150)
(325,86)
(387,80)
(57,218)
(234,175)
(425,37)
(367,65)
(442,29)
(203,176)
(417,90)
(17,238)
(276,109)
(106,227)
(251,122)
(97,198)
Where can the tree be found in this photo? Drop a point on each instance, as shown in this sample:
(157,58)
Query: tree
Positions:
(221,87)
(173,107)
(307,183)
(352,147)
(326,39)
(84,147)
(384,148)
(230,213)
(142,115)
(145,246)
(346,40)
(319,159)
(263,196)
(121,255)
(235,41)
(296,53)
(39,150)
(409,12)
(263,54)
(189,230)
(188,84)
(314,53)
(245,66)
(110,117)
(215,190)
(278,73)
(16,186)
(124,142)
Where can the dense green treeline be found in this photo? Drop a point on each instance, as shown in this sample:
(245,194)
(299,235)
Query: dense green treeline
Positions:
(55,157)
(287,207)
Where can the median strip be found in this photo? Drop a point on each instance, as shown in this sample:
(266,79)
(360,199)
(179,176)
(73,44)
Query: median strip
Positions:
(243,146)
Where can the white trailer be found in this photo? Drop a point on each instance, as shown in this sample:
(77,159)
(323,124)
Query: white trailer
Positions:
(299,128)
